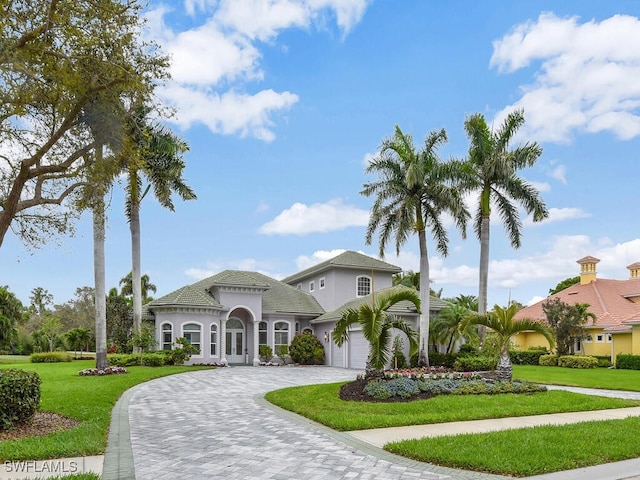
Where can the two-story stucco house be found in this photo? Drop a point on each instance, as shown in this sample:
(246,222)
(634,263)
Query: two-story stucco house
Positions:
(230,314)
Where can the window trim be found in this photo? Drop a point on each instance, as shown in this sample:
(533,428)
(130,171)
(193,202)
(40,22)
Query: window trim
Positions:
(312,286)
(213,343)
(265,331)
(162,332)
(358,278)
(600,338)
(322,283)
(276,331)
(198,355)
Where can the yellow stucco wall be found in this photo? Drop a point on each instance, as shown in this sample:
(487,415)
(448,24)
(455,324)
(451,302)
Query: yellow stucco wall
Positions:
(526,340)
(635,339)
(622,343)
(600,344)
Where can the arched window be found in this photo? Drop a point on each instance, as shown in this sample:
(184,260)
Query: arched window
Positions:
(214,340)
(363,286)
(191,331)
(167,336)
(281,337)
(262,333)
(308,330)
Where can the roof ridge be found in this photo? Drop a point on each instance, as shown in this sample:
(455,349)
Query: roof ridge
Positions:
(597,292)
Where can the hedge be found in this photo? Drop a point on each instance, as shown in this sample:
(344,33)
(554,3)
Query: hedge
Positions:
(20,393)
(548,360)
(51,357)
(625,361)
(577,361)
(474,364)
(527,357)
(442,359)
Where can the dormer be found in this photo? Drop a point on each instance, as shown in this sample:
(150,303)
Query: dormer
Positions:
(588,269)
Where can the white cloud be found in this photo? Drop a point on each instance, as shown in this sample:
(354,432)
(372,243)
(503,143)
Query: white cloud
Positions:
(306,261)
(301,219)
(586,78)
(214,61)
(558,215)
(560,173)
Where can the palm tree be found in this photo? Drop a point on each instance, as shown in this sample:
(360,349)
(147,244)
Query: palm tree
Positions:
(449,325)
(413,190)
(493,174)
(377,325)
(501,321)
(145,287)
(155,155)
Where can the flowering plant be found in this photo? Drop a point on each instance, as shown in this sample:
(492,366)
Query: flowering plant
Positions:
(431,373)
(89,372)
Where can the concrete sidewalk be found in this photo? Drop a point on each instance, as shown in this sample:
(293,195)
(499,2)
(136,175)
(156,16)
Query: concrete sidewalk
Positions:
(381,436)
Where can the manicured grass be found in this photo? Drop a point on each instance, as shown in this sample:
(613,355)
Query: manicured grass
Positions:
(322,404)
(529,451)
(590,378)
(88,399)
(14,359)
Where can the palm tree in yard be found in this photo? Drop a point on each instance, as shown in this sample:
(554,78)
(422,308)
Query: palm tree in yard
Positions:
(145,287)
(501,322)
(155,155)
(377,325)
(494,175)
(414,188)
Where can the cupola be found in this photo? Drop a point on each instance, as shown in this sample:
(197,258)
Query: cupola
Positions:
(634,270)
(588,269)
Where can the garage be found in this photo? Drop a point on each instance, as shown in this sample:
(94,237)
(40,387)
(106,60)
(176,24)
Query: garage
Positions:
(358,350)
(337,354)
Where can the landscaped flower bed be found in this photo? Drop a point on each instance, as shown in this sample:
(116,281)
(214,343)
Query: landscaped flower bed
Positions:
(427,382)
(89,372)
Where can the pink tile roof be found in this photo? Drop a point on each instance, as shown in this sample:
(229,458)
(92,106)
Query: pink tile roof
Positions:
(588,259)
(609,300)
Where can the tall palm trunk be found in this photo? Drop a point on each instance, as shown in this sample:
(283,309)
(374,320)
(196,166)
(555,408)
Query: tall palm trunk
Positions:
(423,357)
(136,282)
(99,278)
(485,231)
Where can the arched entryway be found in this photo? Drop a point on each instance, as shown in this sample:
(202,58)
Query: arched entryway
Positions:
(235,343)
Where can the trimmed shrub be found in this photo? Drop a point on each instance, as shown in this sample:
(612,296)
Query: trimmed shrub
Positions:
(154,359)
(266,352)
(604,361)
(468,350)
(20,393)
(305,349)
(528,357)
(548,360)
(442,359)
(624,361)
(123,359)
(474,364)
(577,361)
(51,357)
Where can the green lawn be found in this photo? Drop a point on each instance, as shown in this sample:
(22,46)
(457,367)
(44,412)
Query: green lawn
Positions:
(521,452)
(4,359)
(591,378)
(88,399)
(322,404)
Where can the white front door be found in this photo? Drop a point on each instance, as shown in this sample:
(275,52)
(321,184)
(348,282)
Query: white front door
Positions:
(234,341)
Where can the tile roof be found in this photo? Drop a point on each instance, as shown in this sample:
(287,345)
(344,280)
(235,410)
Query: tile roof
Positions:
(588,259)
(404,307)
(348,259)
(277,297)
(608,299)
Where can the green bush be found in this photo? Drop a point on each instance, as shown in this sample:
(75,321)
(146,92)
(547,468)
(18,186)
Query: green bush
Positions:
(398,358)
(548,360)
(123,359)
(182,352)
(604,361)
(154,359)
(442,359)
(624,361)
(468,350)
(266,352)
(304,349)
(538,347)
(577,361)
(528,357)
(474,364)
(20,393)
(51,357)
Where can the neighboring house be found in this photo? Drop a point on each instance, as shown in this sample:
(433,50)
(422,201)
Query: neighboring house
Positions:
(230,314)
(615,303)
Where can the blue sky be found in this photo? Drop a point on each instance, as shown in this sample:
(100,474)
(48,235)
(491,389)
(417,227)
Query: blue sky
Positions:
(283,102)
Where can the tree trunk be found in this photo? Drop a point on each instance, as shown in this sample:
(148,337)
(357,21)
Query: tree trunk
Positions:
(504,370)
(136,283)
(423,358)
(99,272)
(484,273)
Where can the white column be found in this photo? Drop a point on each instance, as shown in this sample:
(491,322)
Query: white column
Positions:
(256,343)
(223,341)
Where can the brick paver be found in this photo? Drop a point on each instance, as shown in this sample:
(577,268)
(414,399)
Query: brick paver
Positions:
(214,424)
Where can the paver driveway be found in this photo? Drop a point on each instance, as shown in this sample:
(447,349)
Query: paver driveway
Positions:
(210,425)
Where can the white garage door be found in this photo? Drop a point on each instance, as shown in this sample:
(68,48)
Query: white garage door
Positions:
(358,350)
(337,354)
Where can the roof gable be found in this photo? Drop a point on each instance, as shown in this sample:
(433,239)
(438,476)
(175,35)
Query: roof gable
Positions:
(348,259)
